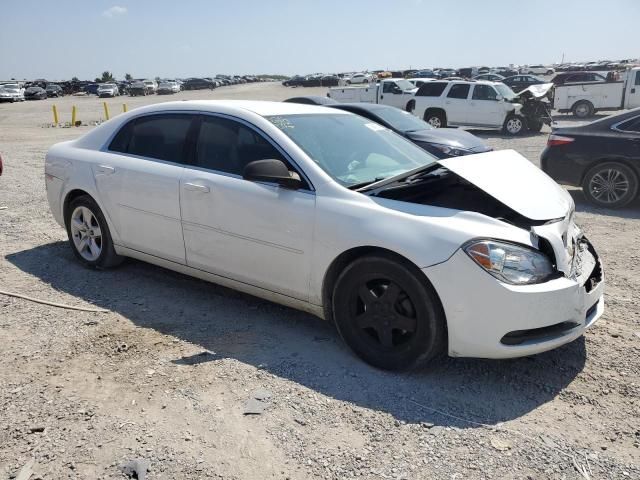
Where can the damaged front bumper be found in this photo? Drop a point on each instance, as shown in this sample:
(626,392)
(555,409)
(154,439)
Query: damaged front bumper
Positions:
(490,319)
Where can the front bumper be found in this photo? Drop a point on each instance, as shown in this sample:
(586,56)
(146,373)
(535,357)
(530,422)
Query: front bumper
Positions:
(490,319)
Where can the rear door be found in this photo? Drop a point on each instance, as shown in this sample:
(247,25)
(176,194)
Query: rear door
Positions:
(456,104)
(138,180)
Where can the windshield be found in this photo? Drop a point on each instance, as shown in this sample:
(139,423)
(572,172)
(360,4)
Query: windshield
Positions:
(352,149)
(505,91)
(405,85)
(401,120)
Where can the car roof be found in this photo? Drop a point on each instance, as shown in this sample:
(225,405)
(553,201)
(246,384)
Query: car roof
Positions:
(259,107)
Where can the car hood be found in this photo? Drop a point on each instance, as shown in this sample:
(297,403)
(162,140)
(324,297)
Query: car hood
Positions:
(537,91)
(516,182)
(451,137)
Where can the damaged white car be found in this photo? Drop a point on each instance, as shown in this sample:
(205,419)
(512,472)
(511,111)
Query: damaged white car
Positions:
(327,212)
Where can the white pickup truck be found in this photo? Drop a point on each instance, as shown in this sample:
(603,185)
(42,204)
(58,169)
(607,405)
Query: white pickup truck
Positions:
(584,99)
(396,92)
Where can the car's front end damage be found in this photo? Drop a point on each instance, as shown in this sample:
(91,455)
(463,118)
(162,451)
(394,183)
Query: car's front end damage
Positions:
(536,107)
(532,289)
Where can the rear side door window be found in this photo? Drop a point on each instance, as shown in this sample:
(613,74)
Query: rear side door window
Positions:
(459,91)
(161,137)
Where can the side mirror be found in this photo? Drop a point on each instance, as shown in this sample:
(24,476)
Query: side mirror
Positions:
(271,171)
(499,98)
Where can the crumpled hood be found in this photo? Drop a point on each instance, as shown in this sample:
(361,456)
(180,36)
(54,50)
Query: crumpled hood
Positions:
(451,137)
(537,91)
(516,182)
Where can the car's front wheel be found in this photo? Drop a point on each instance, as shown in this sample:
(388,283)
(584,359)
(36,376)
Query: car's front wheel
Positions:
(610,185)
(514,125)
(89,235)
(388,315)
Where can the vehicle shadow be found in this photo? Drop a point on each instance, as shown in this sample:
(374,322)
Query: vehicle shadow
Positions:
(303,349)
(631,211)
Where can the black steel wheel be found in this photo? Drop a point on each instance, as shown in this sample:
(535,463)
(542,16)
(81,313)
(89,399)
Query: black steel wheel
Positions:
(388,313)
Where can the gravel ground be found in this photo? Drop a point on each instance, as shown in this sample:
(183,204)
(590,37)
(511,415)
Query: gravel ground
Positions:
(164,375)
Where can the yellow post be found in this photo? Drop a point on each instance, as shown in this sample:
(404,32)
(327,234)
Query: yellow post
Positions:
(124,108)
(73,116)
(55,115)
(106,110)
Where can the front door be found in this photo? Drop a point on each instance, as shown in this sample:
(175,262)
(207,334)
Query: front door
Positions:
(256,233)
(633,99)
(485,109)
(138,180)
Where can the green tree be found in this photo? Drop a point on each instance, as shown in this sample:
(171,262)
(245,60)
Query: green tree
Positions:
(75,79)
(128,77)
(107,76)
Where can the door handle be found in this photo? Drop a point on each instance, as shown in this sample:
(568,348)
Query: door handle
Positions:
(106,169)
(194,187)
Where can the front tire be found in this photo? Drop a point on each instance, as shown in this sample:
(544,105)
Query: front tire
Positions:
(388,314)
(514,125)
(89,235)
(610,185)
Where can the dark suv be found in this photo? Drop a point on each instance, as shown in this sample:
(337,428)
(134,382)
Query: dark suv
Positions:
(577,77)
(198,84)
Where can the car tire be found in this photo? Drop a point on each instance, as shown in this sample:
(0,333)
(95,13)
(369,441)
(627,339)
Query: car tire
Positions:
(435,119)
(348,82)
(89,235)
(405,326)
(583,109)
(514,125)
(549,72)
(610,185)
(411,105)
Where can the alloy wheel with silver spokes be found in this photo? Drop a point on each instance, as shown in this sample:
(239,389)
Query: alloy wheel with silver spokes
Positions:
(435,121)
(514,125)
(86,233)
(611,185)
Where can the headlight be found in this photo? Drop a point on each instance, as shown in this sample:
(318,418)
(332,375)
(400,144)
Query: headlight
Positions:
(450,151)
(510,263)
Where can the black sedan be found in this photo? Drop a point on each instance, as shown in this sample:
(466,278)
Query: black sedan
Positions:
(54,90)
(35,93)
(520,82)
(312,100)
(198,84)
(602,157)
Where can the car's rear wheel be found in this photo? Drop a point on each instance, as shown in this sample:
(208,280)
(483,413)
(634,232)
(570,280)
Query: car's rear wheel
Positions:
(610,185)
(514,125)
(583,109)
(89,235)
(387,314)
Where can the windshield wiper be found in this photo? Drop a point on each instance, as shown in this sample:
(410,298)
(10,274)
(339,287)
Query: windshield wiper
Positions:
(378,184)
(356,186)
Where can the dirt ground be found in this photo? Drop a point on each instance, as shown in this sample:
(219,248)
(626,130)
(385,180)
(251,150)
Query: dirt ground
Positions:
(164,375)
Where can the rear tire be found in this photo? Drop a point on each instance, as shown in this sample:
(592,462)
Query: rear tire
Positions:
(388,313)
(610,185)
(583,109)
(89,235)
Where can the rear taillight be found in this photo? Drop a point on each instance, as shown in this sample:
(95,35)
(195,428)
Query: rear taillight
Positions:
(555,140)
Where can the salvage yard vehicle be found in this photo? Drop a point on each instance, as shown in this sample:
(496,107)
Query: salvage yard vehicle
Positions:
(198,84)
(359,78)
(517,83)
(585,99)
(168,88)
(137,89)
(151,86)
(472,104)
(538,70)
(396,92)
(11,92)
(327,212)
(491,77)
(440,142)
(602,157)
(35,93)
(108,90)
(54,90)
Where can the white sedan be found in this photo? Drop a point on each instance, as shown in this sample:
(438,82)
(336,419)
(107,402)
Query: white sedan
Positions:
(359,78)
(327,212)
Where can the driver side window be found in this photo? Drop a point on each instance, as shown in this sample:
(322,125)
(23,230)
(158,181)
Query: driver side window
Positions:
(484,92)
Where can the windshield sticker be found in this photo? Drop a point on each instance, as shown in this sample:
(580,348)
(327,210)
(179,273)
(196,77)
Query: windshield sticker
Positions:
(375,127)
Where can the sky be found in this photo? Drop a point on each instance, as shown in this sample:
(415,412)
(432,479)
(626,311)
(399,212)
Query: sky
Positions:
(182,38)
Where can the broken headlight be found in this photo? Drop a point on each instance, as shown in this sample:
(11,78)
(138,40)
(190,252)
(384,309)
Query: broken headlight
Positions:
(509,263)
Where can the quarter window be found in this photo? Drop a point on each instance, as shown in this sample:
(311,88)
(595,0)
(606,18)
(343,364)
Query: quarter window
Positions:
(484,92)
(632,125)
(459,90)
